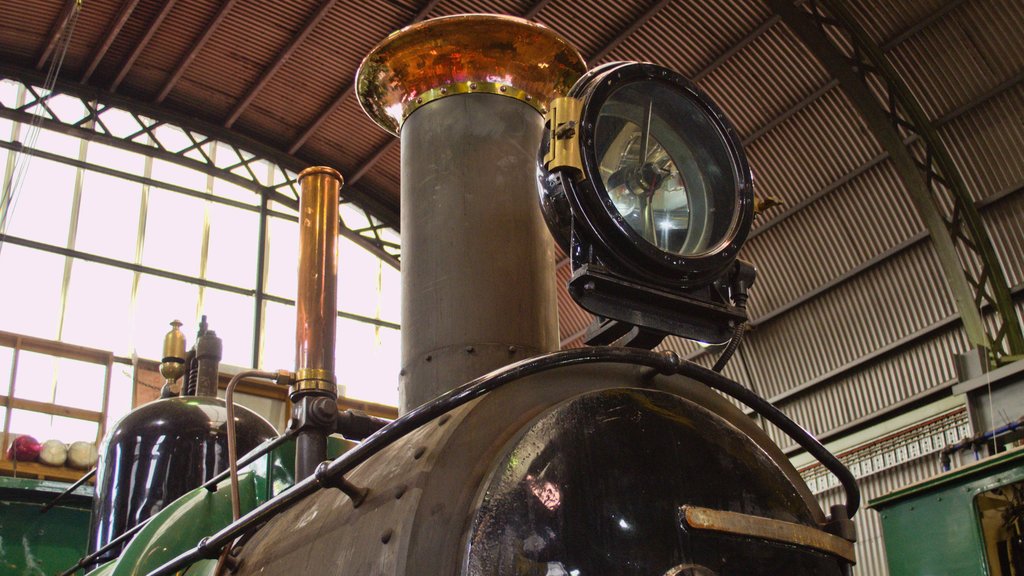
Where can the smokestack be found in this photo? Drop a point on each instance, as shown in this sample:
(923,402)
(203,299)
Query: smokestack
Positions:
(467,95)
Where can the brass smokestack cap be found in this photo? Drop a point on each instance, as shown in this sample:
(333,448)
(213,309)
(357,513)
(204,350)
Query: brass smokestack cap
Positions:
(471,53)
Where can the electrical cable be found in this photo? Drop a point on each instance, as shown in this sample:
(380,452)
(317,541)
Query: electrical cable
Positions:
(734,343)
(12,188)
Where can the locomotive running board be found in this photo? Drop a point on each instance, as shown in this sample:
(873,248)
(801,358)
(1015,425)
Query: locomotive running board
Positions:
(767,529)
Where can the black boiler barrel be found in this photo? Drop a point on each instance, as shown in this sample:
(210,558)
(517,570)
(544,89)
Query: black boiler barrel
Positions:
(157,453)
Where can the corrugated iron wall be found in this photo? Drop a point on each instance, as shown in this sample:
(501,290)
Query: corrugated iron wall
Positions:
(851,312)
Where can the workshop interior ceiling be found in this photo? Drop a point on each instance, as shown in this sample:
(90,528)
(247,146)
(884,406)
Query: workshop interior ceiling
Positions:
(844,250)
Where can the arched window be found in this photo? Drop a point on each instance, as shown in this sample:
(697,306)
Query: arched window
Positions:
(117,223)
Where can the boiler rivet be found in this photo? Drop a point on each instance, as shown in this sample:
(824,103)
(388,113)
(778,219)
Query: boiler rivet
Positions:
(503,88)
(444,90)
(400,492)
(419,452)
(419,100)
(429,357)
(444,419)
(472,86)
(386,536)
(470,349)
(511,349)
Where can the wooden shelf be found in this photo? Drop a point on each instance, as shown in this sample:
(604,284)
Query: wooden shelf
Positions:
(41,471)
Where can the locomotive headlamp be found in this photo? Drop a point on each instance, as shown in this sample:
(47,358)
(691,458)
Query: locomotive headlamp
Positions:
(645,185)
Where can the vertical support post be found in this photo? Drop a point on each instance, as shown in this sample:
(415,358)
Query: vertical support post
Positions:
(9,403)
(261,263)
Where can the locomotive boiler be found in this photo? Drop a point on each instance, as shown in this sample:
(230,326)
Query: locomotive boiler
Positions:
(510,456)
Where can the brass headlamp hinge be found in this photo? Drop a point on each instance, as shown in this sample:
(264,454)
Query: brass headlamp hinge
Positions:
(563,124)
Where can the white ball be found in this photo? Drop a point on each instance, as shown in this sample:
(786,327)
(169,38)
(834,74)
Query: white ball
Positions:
(53,453)
(82,455)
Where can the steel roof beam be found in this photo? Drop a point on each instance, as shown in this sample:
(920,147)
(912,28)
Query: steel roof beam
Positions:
(636,25)
(535,9)
(929,181)
(58,26)
(122,17)
(282,57)
(346,92)
(194,51)
(164,11)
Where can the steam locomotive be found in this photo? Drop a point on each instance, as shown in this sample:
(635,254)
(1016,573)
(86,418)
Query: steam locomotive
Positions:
(510,456)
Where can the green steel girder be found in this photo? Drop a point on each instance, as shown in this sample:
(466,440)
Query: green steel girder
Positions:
(929,174)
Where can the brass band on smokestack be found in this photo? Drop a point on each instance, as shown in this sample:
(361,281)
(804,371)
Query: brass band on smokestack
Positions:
(467,96)
(316,305)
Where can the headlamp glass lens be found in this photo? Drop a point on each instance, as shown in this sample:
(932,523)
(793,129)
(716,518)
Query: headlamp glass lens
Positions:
(666,168)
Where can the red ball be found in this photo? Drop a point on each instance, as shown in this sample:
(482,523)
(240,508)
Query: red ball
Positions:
(24,449)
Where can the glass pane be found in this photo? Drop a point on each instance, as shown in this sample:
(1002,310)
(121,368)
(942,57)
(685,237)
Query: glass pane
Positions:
(34,424)
(6,359)
(42,207)
(51,141)
(6,126)
(120,399)
(9,93)
(390,294)
(228,155)
(232,252)
(231,317)
(98,312)
(30,291)
(116,158)
(353,217)
(283,257)
(159,301)
(233,191)
(44,427)
(666,167)
(172,138)
(67,108)
(173,173)
(36,376)
(359,277)
(118,122)
(108,219)
(80,384)
(174,232)
(278,349)
(368,359)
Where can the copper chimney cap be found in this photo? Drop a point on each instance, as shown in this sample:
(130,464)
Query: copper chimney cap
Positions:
(470,53)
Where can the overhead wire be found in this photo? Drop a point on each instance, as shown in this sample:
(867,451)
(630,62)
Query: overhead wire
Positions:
(22,159)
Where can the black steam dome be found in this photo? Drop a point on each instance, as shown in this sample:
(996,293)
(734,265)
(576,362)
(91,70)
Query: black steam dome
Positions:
(160,451)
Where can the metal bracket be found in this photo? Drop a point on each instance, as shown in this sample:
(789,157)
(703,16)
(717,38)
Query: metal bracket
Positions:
(563,124)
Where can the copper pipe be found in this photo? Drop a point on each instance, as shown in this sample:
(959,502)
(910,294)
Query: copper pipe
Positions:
(317,301)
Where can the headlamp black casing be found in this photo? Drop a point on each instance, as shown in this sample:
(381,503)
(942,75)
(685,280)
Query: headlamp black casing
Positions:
(692,284)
